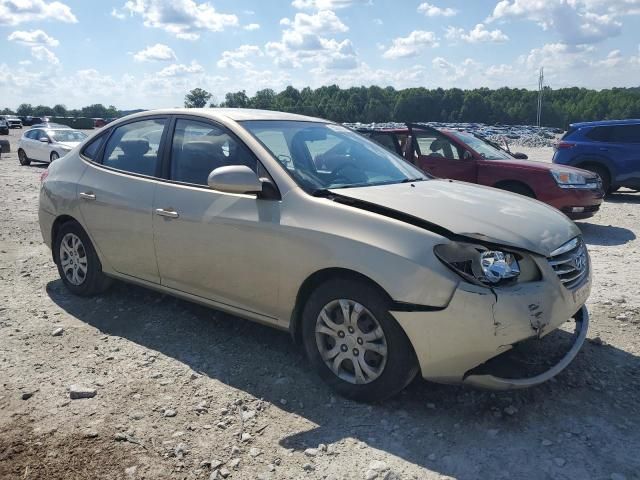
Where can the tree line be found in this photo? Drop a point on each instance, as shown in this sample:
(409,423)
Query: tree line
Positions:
(91,111)
(376,104)
(482,105)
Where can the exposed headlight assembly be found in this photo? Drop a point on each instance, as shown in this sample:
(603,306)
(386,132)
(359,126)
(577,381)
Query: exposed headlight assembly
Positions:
(478,264)
(567,179)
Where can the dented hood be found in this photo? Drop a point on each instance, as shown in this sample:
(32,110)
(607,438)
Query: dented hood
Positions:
(469,210)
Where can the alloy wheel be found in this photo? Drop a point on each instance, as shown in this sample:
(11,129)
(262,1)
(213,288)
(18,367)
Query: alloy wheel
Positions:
(73,259)
(351,341)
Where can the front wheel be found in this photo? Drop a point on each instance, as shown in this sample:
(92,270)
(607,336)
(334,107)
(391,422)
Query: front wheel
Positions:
(22,158)
(77,261)
(54,156)
(354,343)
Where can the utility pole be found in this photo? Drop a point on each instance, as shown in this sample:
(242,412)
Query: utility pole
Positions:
(540,94)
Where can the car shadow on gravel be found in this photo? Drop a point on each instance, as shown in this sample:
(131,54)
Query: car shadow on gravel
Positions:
(456,431)
(605,235)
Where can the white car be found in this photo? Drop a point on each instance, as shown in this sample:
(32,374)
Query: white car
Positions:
(47,144)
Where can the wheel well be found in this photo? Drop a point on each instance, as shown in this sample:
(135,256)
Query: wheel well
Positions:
(57,224)
(316,279)
(505,184)
(594,163)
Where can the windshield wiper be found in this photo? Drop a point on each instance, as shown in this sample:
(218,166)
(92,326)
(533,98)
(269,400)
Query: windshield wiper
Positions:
(322,192)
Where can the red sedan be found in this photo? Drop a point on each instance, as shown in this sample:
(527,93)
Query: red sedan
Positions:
(463,156)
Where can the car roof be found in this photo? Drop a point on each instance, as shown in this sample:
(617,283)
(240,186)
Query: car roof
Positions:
(602,123)
(235,114)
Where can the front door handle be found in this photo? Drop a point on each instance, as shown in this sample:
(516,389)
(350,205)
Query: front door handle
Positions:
(167,213)
(87,195)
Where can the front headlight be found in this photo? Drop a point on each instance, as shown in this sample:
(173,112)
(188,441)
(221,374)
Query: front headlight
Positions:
(567,179)
(478,264)
(66,148)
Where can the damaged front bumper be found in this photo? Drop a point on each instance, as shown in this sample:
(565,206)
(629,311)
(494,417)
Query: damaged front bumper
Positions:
(480,323)
(497,382)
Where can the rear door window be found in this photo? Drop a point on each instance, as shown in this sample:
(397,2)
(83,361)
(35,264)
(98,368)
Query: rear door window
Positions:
(135,147)
(626,134)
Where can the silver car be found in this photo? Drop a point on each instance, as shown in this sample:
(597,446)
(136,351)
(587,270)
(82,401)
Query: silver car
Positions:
(47,144)
(380,271)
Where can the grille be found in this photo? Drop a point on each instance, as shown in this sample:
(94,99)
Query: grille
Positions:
(570,262)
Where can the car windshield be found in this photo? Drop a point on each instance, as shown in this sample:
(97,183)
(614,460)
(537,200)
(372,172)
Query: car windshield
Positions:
(322,156)
(67,135)
(485,149)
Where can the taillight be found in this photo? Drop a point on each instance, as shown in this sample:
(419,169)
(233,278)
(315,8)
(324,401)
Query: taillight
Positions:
(44,175)
(564,145)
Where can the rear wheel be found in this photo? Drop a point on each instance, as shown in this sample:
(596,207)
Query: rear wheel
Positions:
(22,158)
(603,173)
(354,343)
(54,156)
(78,264)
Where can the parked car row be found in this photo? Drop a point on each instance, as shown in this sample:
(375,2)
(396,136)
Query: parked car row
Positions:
(378,269)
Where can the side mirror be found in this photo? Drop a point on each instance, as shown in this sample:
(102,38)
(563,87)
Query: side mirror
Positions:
(520,156)
(467,155)
(44,139)
(234,179)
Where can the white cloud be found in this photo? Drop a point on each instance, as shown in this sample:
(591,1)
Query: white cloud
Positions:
(378,21)
(575,21)
(305,40)
(479,34)
(25,62)
(252,26)
(158,52)
(411,45)
(237,58)
(33,38)
(326,4)
(118,14)
(14,12)
(433,11)
(186,19)
(180,69)
(44,54)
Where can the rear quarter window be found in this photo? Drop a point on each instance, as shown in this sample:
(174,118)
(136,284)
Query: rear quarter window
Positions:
(599,134)
(93,148)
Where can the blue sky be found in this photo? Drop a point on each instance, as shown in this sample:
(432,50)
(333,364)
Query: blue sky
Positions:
(149,53)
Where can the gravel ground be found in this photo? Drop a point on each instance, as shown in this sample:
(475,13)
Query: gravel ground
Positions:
(183,392)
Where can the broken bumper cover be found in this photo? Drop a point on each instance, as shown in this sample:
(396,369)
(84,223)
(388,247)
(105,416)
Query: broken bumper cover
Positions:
(498,383)
(479,324)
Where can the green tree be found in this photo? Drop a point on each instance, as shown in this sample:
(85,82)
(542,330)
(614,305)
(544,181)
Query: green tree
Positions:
(25,109)
(236,100)
(60,110)
(197,98)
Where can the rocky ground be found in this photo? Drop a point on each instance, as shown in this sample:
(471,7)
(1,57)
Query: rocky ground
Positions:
(178,391)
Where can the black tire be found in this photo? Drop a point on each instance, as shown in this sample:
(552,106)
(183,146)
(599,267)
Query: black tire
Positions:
(603,173)
(516,187)
(54,156)
(23,159)
(94,281)
(401,364)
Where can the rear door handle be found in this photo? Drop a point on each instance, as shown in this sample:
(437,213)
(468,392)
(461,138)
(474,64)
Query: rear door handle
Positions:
(167,213)
(88,195)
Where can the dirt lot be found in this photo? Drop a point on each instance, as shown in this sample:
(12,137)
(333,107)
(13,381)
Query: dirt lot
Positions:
(183,391)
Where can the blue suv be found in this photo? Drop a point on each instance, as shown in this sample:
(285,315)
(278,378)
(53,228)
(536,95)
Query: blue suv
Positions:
(609,148)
